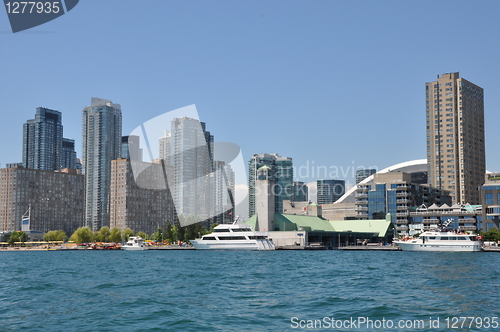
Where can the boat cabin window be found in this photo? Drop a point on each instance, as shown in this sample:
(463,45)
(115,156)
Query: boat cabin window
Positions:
(209,238)
(240,229)
(232,238)
(257,237)
(432,237)
(221,230)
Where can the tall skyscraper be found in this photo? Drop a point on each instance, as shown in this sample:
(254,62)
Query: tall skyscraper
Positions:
(165,148)
(42,140)
(282,173)
(130,148)
(44,147)
(192,151)
(362,174)
(101,143)
(329,191)
(224,192)
(68,156)
(455,137)
(300,191)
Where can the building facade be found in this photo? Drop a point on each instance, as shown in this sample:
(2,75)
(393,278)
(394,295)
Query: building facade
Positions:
(130,148)
(192,161)
(490,200)
(300,192)
(282,169)
(143,205)
(460,217)
(455,137)
(329,191)
(44,147)
(101,143)
(224,193)
(56,199)
(362,174)
(394,193)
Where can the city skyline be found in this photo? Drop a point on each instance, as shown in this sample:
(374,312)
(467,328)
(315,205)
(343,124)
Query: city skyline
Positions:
(323,69)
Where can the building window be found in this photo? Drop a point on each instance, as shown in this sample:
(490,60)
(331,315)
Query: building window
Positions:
(489,198)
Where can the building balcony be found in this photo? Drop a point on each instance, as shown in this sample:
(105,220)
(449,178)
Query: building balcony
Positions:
(402,208)
(467,221)
(361,195)
(402,221)
(402,187)
(361,202)
(361,189)
(402,194)
(401,214)
(402,201)
(361,208)
(402,228)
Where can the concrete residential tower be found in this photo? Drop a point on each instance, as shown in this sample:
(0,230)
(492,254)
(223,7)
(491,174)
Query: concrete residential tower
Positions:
(101,143)
(455,137)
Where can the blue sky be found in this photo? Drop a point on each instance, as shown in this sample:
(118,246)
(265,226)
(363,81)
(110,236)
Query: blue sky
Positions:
(338,84)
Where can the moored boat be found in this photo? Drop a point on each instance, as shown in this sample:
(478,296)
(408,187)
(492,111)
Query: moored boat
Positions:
(135,243)
(234,237)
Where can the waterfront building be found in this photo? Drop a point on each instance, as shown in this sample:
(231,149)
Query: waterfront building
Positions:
(302,225)
(490,199)
(142,204)
(300,191)
(68,156)
(12,165)
(165,147)
(455,137)
(192,160)
(282,168)
(56,199)
(43,144)
(427,218)
(130,148)
(329,191)
(362,174)
(101,143)
(394,193)
(224,185)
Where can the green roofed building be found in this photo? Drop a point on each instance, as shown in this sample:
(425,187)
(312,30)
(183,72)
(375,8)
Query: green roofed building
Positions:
(308,230)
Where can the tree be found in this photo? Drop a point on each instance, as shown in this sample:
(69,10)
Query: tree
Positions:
(102,235)
(167,235)
(179,230)
(17,237)
(82,235)
(491,235)
(127,233)
(59,235)
(142,234)
(115,235)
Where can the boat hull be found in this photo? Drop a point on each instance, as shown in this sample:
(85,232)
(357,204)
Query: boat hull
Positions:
(233,245)
(419,246)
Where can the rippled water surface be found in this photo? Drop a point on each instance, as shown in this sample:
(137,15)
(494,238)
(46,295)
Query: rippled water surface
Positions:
(242,291)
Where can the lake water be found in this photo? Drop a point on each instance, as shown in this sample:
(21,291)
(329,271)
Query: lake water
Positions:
(247,291)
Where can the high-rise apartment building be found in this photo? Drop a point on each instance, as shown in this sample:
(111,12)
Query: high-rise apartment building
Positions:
(455,137)
(143,204)
(362,174)
(329,191)
(130,148)
(192,160)
(300,191)
(44,147)
(101,143)
(54,198)
(224,185)
(282,174)
(165,147)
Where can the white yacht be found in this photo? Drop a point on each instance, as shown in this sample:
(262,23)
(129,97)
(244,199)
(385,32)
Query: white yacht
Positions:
(441,240)
(135,243)
(234,237)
